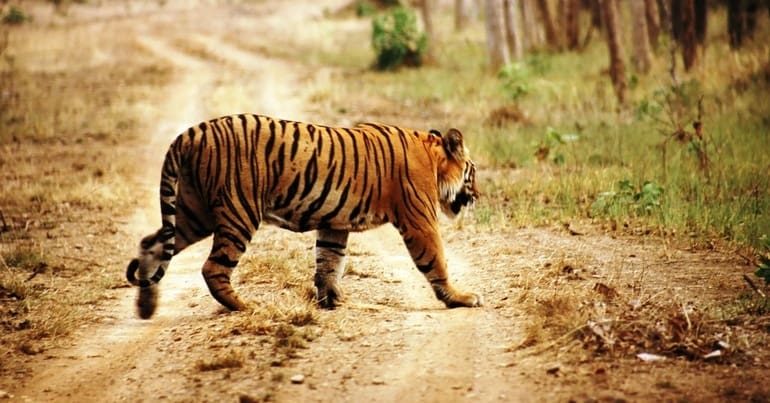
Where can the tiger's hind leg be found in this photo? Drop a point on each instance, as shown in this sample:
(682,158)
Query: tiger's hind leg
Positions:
(229,245)
(428,255)
(330,248)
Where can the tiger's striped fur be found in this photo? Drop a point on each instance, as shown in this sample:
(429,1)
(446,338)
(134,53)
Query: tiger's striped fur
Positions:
(228,175)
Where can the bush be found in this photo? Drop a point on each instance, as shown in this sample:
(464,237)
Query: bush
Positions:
(15,17)
(396,39)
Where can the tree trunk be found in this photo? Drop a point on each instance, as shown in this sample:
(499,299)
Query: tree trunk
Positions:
(512,30)
(641,57)
(550,30)
(735,18)
(498,53)
(750,16)
(687,36)
(617,68)
(427,19)
(701,21)
(653,21)
(571,23)
(462,14)
(532,35)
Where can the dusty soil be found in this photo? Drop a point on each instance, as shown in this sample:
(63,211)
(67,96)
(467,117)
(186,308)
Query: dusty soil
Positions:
(391,341)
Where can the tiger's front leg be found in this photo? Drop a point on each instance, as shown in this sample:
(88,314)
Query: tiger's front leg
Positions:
(330,248)
(428,255)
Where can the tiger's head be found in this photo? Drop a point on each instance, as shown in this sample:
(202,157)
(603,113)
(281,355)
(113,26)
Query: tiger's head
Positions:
(456,175)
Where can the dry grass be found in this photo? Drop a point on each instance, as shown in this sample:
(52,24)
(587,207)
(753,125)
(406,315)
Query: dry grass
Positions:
(573,305)
(231,359)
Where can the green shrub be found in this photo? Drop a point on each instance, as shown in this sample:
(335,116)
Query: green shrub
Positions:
(515,77)
(15,17)
(365,8)
(396,39)
(627,197)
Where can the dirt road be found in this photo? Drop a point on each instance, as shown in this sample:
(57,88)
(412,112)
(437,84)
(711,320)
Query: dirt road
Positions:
(391,341)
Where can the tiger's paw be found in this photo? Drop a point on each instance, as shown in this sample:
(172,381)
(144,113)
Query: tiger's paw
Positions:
(329,297)
(459,300)
(329,294)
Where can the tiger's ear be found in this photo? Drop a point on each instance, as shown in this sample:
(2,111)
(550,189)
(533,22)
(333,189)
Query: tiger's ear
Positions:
(453,144)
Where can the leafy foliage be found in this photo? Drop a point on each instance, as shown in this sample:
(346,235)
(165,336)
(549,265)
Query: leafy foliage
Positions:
(549,142)
(626,196)
(396,39)
(15,17)
(365,9)
(515,78)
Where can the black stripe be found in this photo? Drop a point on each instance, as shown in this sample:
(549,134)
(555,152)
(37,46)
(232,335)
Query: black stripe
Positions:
(320,144)
(166,189)
(270,140)
(318,202)
(340,204)
(331,148)
(311,131)
(295,143)
(158,275)
(356,211)
(167,208)
(329,244)
(425,268)
(223,260)
(344,171)
(311,175)
(237,243)
(290,193)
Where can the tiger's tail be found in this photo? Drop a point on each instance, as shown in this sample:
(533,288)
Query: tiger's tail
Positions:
(157,249)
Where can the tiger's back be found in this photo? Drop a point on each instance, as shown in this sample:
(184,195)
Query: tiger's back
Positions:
(228,175)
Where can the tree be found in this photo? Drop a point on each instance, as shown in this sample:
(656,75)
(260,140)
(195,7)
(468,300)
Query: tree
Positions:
(550,30)
(496,46)
(612,29)
(701,21)
(687,36)
(462,14)
(642,56)
(512,36)
(741,20)
(653,21)
(571,9)
(532,36)
(427,19)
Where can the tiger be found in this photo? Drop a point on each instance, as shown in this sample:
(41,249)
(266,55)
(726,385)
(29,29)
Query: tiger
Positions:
(228,175)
